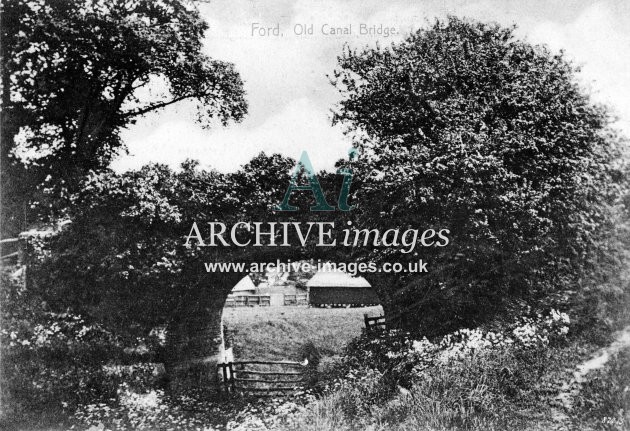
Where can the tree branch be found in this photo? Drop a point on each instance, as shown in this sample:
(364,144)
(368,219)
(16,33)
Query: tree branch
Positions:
(160,105)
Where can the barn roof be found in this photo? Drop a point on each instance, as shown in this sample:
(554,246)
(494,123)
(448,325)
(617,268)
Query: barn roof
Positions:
(246,284)
(334,278)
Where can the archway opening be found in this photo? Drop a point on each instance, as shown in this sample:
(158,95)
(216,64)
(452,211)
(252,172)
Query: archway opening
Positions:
(306,313)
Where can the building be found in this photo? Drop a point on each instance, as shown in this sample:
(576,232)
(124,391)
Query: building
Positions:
(246,294)
(338,289)
(244,287)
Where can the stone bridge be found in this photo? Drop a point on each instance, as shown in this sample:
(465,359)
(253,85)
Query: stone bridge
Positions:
(194,339)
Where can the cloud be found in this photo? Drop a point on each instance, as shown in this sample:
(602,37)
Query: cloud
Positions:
(595,41)
(300,126)
(290,96)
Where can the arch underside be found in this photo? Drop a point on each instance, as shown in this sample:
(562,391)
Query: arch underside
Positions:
(195,339)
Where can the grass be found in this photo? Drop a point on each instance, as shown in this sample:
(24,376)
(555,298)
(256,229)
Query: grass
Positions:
(604,399)
(270,333)
(499,390)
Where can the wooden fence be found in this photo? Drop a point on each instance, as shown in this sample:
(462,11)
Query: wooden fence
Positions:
(262,378)
(373,324)
(381,323)
(298,299)
(248,301)
(264,300)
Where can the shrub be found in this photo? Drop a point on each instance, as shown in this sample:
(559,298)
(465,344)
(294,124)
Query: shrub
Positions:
(469,379)
(465,127)
(55,365)
(397,355)
(50,362)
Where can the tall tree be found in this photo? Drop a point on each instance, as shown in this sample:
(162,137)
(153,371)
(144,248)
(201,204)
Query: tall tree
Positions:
(464,127)
(73,74)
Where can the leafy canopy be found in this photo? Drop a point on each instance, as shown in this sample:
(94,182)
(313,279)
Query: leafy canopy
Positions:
(76,73)
(122,261)
(462,126)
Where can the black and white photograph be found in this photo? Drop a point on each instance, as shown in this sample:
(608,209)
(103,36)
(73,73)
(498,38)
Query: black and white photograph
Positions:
(314,215)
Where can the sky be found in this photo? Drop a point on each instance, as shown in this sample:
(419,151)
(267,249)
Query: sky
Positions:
(285,75)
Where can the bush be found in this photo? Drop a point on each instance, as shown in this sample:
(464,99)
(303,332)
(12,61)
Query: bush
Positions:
(467,129)
(50,362)
(396,354)
(470,379)
(54,365)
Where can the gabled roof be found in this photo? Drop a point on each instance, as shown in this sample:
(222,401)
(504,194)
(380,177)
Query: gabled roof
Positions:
(245,285)
(334,278)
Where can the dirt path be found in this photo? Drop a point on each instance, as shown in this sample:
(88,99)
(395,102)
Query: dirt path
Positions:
(571,388)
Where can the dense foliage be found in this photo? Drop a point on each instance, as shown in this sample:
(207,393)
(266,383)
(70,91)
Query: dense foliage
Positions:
(510,377)
(460,126)
(464,127)
(75,74)
(122,259)
(50,361)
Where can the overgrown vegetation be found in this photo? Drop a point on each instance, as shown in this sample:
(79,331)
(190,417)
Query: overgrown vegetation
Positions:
(501,376)
(461,126)
(473,380)
(604,399)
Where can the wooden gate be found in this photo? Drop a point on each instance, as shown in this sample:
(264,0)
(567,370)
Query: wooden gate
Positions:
(382,323)
(262,378)
(373,324)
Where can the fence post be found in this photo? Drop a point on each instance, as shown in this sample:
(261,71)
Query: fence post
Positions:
(225,378)
(232,381)
(367,322)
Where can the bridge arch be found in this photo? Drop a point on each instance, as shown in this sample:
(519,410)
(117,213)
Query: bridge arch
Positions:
(194,338)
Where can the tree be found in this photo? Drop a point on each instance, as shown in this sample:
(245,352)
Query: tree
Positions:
(463,127)
(73,73)
(122,262)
